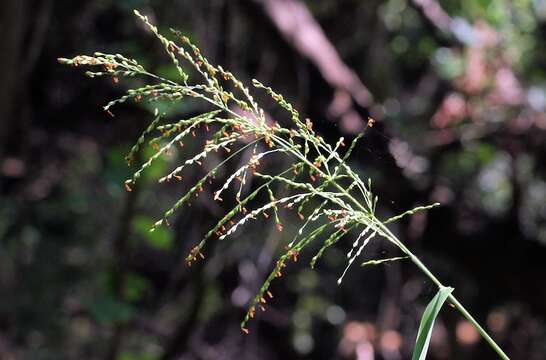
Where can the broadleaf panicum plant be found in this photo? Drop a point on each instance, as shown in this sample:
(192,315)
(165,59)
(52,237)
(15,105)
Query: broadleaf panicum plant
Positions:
(317,170)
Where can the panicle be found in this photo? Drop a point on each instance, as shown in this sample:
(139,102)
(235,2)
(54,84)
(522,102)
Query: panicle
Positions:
(330,198)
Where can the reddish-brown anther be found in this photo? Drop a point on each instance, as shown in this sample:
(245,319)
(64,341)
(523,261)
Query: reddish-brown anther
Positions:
(309,124)
(293,254)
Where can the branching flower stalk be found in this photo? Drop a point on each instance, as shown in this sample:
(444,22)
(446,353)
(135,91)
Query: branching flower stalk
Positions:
(236,123)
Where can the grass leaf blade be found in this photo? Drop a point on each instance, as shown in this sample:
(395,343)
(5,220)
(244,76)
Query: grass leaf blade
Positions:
(427,323)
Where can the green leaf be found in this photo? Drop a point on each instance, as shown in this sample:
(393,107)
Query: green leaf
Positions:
(160,238)
(107,310)
(427,322)
(135,286)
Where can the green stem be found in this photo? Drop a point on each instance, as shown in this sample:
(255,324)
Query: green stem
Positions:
(451,298)
(433,278)
(482,332)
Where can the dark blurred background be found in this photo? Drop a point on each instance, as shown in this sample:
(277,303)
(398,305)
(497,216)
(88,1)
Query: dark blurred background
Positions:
(458,91)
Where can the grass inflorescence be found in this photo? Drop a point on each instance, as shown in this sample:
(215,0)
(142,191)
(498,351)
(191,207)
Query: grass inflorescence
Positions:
(317,171)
